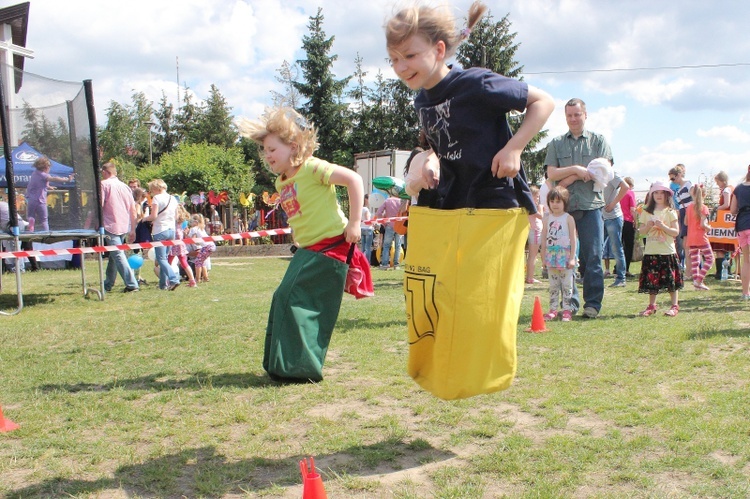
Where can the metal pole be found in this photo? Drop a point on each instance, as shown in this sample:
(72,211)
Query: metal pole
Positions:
(150,125)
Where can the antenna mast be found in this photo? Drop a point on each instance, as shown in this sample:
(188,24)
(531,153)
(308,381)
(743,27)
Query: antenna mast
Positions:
(177,58)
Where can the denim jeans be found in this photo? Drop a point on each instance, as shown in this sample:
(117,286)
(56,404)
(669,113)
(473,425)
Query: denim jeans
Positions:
(614,234)
(590,228)
(167,277)
(117,264)
(366,243)
(388,238)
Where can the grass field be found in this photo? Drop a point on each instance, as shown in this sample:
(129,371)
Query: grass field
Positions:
(162,394)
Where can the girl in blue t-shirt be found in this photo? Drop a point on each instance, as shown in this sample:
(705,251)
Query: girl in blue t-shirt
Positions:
(463,114)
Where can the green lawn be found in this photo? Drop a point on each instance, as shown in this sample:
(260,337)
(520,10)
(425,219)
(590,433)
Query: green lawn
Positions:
(162,394)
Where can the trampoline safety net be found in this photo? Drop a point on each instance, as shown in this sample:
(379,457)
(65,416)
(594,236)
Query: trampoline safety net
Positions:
(56,119)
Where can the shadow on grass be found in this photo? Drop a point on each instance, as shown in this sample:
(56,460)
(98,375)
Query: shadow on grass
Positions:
(389,284)
(163,381)
(347,325)
(202,472)
(10,301)
(712,332)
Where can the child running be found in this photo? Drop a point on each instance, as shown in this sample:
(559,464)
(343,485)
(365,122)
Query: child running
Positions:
(559,252)
(660,268)
(699,247)
(740,206)
(478,225)
(203,248)
(306,304)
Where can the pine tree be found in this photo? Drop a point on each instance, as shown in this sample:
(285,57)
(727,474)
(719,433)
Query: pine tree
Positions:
(324,106)
(214,124)
(187,119)
(166,138)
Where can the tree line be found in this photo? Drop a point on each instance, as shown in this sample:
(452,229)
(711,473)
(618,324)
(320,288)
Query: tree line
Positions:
(197,147)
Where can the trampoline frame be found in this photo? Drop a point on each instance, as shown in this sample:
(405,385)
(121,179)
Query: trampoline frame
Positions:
(14,234)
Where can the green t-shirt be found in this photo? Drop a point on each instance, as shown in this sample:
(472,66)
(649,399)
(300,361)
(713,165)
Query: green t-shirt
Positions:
(309,200)
(567,150)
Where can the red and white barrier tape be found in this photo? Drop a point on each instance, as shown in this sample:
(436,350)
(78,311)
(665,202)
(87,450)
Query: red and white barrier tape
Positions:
(155,244)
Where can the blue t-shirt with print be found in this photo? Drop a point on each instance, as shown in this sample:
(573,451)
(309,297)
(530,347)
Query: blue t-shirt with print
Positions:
(464,117)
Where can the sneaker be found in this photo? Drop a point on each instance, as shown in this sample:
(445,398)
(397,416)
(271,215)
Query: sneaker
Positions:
(567,316)
(700,286)
(142,281)
(172,287)
(130,290)
(551,315)
(650,310)
(629,275)
(617,284)
(672,311)
(384,267)
(590,312)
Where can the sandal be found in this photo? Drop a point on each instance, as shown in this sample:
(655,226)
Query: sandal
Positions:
(532,281)
(650,310)
(672,311)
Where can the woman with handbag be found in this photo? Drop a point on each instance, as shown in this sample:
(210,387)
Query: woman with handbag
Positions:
(162,216)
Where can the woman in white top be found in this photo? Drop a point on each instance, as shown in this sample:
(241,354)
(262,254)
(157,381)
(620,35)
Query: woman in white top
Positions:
(162,216)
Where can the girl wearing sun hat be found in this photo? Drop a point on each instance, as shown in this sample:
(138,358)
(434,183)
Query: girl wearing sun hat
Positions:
(660,268)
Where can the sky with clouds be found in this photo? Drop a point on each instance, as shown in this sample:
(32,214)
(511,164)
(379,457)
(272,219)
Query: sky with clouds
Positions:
(665,81)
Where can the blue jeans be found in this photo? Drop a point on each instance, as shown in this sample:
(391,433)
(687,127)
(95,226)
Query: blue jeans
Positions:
(614,234)
(590,228)
(388,238)
(117,264)
(167,277)
(365,244)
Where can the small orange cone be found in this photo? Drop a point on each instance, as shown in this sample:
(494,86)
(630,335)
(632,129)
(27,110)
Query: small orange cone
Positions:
(6,424)
(537,318)
(312,482)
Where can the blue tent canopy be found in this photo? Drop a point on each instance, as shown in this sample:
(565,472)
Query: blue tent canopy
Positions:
(23,166)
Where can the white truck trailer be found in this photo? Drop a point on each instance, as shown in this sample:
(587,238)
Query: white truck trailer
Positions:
(373,164)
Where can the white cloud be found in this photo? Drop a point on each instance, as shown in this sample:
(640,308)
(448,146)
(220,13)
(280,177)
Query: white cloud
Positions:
(728,133)
(672,146)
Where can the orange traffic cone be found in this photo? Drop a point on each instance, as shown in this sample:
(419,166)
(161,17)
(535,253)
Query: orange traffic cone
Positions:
(6,424)
(537,318)
(312,482)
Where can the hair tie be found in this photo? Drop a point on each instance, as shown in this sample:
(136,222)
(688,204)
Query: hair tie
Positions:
(464,33)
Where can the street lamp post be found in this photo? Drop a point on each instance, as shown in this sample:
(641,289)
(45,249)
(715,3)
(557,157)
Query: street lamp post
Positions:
(150,124)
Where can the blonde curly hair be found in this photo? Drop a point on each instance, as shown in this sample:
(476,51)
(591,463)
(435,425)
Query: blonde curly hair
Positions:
(290,126)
